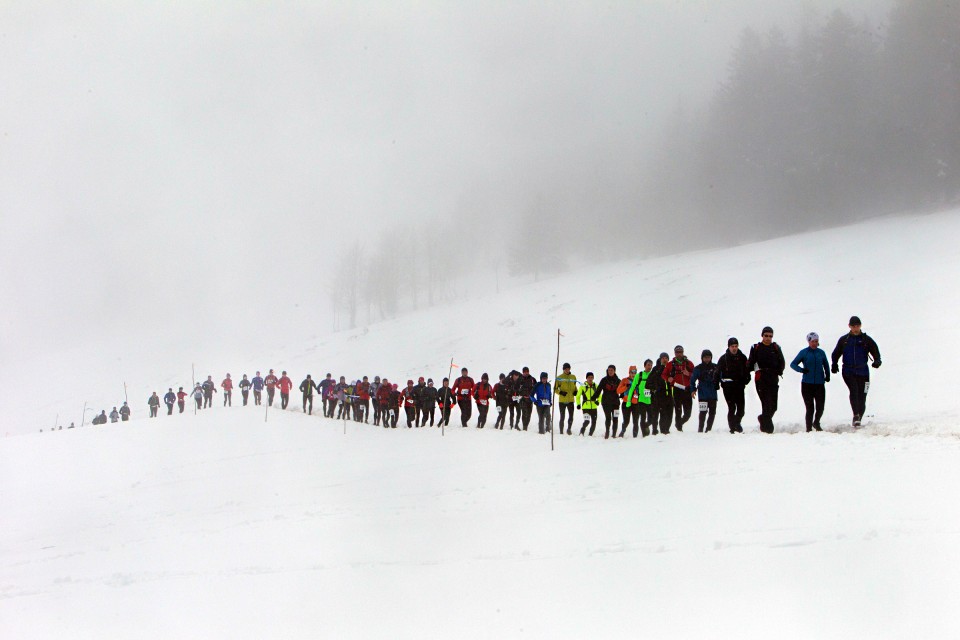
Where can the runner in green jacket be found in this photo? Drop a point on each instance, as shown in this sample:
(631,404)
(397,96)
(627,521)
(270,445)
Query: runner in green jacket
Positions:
(566,390)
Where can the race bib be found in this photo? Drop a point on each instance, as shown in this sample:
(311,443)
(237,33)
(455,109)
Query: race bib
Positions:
(646,393)
(465,392)
(392,413)
(545,403)
(499,409)
(703,407)
(616,413)
(679,386)
(483,402)
(516,398)
(866,387)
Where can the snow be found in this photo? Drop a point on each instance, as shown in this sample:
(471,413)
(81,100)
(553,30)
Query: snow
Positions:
(226,525)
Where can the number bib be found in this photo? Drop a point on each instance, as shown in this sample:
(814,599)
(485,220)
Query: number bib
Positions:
(616,413)
(703,407)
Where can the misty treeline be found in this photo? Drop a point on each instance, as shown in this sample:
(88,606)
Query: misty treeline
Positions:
(844,120)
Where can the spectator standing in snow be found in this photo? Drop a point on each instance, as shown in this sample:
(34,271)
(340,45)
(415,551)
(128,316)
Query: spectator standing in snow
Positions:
(169,399)
(153,402)
(856,348)
(704,384)
(227,386)
(734,378)
(766,360)
(812,363)
(244,385)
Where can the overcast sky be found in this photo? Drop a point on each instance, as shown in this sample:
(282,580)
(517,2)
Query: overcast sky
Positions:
(185,172)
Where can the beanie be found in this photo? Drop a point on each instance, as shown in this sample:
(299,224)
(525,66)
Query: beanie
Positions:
(733,341)
(854,320)
(766,330)
(812,336)
(706,353)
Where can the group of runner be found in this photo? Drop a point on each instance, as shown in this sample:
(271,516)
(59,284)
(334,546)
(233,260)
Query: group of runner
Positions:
(651,400)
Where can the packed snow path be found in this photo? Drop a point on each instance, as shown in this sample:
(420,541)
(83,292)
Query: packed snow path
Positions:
(221,525)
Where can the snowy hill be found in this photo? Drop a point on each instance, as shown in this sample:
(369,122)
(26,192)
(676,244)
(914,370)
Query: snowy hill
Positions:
(224,525)
(896,273)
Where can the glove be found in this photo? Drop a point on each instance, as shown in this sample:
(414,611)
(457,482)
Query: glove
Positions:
(578,407)
(835,368)
(827,379)
(876,364)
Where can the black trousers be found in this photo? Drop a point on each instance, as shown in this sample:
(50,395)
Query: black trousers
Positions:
(308,401)
(246,395)
(199,402)
(683,406)
(768,391)
(630,413)
(858,386)
(708,415)
(207,400)
(502,416)
(733,394)
(227,398)
(482,410)
(270,392)
(814,396)
(153,411)
(411,416)
(526,408)
(543,418)
(514,415)
(376,412)
(284,400)
(646,419)
(180,404)
(169,408)
(564,408)
(445,415)
(589,418)
(465,409)
(662,407)
(331,406)
(608,414)
(428,412)
(390,417)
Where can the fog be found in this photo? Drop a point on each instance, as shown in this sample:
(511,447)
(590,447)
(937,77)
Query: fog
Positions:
(193,176)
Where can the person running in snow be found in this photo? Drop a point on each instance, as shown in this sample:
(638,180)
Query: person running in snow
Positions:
(677,374)
(856,348)
(114,416)
(463,389)
(542,398)
(428,400)
(257,383)
(153,402)
(446,399)
(628,406)
(812,363)
(482,393)
(525,388)
(169,399)
(410,403)
(198,395)
(181,399)
(339,395)
(766,360)
(588,399)
(418,398)
(734,378)
(209,388)
(638,395)
(610,401)
(501,394)
(270,382)
(704,384)
(363,404)
(244,385)
(513,392)
(395,401)
(324,387)
(125,412)
(227,386)
(375,399)
(566,389)
(286,386)
(661,396)
(307,387)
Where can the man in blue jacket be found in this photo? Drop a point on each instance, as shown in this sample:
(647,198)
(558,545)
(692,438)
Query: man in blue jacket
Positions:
(257,383)
(541,398)
(816,373)
(704,384)
(856,348)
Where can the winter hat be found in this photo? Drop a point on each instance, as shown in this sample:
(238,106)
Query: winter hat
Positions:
(733,341)
(706,353)
(429,380)
(664,354)
(526,369)
(677,348)
(566,365)
(766,330)
(633,368)
(394,387)
(543,375)
(812,336)
(502,376)
(409,382)
(589,374)
(854,320)
(421,379)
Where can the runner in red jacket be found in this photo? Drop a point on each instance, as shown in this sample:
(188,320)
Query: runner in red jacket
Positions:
(285,384)
(270,382)
(483,393)
(227,386)
(462,390)
(677,374)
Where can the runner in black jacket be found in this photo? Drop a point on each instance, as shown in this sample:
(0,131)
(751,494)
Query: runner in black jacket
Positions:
(734,377)
(610,400)
(767,360)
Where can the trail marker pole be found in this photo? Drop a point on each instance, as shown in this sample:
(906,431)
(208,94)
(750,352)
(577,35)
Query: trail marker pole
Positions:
(125,398)
(84,414)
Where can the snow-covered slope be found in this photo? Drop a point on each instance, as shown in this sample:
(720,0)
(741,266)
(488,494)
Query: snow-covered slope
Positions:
(898,274)
(226,526)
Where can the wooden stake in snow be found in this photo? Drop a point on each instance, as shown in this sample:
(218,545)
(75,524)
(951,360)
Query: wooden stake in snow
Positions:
(553,405)
(125,398)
